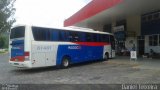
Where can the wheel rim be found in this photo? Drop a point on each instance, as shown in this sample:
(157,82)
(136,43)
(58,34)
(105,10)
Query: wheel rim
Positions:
(65,63)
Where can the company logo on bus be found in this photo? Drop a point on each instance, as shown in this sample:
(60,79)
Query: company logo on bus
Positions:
(74,47)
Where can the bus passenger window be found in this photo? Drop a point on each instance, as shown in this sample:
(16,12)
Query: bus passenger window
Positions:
(54,35)
(70,37)
(81,36)
(98,38)
(60,36)
(48,34)
(107,38)
(65,35)
(95,37)
(39,34)
(88,37)
(75,36)
(103,39)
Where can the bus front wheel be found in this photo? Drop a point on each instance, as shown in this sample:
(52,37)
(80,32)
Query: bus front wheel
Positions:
(65,62)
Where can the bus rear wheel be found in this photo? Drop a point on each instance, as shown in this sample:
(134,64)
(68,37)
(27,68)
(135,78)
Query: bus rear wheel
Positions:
(65,62)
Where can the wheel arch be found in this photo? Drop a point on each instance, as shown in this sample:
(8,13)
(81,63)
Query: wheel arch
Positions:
(107,54)
(66,56)
(65,61)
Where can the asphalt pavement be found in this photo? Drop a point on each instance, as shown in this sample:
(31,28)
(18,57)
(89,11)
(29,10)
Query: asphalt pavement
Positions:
(114,71)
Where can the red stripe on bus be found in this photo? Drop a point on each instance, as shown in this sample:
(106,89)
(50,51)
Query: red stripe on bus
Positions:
(18,58)
(92,43)
(26,53)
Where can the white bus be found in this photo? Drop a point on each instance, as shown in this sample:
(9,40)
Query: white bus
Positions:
(34,46)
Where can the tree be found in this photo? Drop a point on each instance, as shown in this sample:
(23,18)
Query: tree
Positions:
(2,42)
(7,12)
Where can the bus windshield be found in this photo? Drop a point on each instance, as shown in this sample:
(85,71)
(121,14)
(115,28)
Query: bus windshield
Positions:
(17,32)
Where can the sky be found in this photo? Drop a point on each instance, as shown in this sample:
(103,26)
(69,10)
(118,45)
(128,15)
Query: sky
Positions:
(46,12)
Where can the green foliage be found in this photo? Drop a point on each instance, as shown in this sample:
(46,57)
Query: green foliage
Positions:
(6,42)
(2,42)
(6,15)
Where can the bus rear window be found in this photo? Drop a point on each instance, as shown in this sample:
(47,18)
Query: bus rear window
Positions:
(17,32)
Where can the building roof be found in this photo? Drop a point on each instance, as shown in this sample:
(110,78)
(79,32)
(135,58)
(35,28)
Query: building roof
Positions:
(91,9)
(105,11)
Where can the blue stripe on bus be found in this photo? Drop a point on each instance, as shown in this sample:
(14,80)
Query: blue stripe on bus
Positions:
(79,53)
(17,42)
(17,48)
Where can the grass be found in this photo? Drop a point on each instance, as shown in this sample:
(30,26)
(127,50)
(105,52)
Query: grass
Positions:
(1,52)
(6,50)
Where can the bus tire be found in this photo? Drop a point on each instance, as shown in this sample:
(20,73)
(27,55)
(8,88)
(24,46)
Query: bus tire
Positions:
(65,62)
(106,57)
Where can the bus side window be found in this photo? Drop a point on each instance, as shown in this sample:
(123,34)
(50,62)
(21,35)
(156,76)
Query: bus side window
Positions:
(95,37)
(65,35)
(39,34)
(81,36)
(60,34)
(107,38)
(88,37)
(48,35)
(84,36)
(55,35)
(100,38)
(75,36)
(35,33)
(70,37)
(42,35)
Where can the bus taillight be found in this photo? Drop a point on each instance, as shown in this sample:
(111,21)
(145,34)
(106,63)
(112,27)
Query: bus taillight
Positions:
(26,55)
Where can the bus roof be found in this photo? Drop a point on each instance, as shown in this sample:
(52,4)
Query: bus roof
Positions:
(71,28)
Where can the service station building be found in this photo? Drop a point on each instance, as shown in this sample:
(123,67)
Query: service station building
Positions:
(133,22)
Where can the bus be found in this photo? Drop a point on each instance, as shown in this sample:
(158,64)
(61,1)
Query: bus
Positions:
(36,46)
